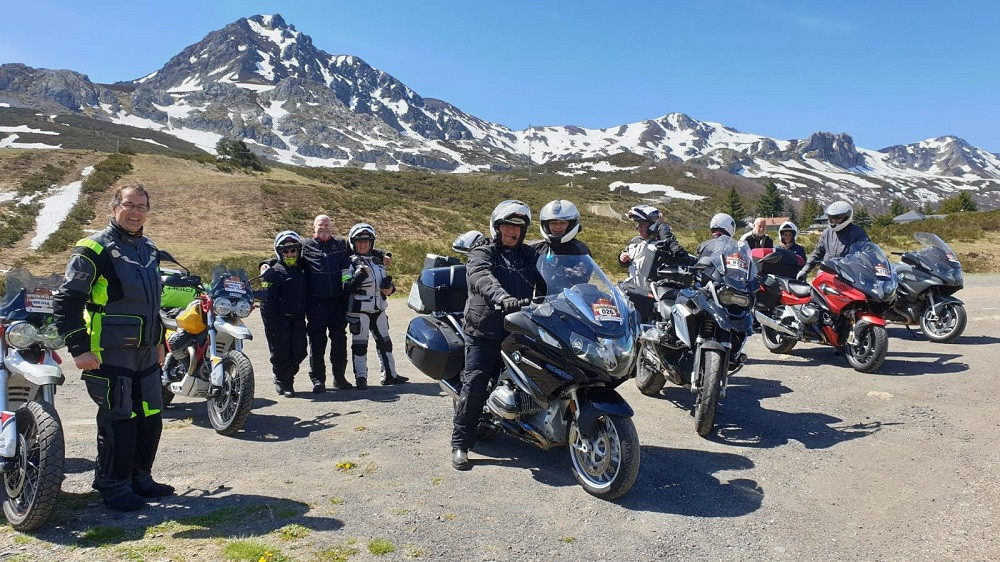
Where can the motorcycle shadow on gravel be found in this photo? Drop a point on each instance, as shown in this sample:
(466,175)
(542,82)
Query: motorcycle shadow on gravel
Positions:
(261,425)
(193,514)
(377,393)
(924,363)
(681,482)
(743,421)
(964,339)
(551,467)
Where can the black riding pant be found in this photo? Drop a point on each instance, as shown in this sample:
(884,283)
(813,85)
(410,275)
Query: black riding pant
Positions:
(327,319)
(286,340)
(482,363)
(128,426)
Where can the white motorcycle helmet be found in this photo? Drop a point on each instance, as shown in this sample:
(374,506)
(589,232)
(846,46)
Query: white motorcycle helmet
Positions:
(466,241)
(788,225)
(840,210)
(361,231)
(560,209)
(723,222)
(511,212)
(287,239)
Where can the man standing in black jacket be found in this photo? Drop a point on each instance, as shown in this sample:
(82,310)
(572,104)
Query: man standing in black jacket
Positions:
(324,257)
(500,273)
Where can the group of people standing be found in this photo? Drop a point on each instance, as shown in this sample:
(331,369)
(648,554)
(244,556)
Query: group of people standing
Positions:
(314,290)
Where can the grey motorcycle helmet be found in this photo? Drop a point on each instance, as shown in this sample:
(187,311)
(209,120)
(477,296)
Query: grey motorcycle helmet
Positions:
(563,210)
(464,243)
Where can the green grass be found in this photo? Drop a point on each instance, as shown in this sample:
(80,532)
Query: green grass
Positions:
(339,553)
(253,551)
(380,547)
(293,532)
(104,535)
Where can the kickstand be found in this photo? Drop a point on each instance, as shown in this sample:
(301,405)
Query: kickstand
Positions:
(912,332)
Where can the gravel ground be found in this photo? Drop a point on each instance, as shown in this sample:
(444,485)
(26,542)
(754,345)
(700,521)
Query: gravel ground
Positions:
(812,461)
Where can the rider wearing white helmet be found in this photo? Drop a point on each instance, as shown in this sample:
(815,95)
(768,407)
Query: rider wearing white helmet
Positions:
(787,233)
(501,272)
(368,284)
(720,225)
(559,223)
(837,238)
(283,310)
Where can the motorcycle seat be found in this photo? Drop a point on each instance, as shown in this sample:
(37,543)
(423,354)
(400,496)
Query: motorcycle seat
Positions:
(794,287)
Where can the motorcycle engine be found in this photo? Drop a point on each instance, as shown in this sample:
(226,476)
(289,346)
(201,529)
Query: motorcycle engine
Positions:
(174,369)
(807,314)
(509,403)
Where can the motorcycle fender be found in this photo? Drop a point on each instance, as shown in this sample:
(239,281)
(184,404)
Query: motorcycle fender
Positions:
(863,319)
(217,377)
(47,372)
(941,299)
(237,330)
(596,400)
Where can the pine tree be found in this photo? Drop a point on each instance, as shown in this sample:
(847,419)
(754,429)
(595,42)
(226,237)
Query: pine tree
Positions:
(810,211)
(733,206)
(793,215)
(236,153)
(926,208)
(863,218)
(962,202)
(770,203)
(898,207)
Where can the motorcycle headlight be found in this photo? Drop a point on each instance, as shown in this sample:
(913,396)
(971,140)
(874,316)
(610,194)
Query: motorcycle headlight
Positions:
(21,334)
(51,338)
(222,307)
(604,353)
(243,308)
(731,297)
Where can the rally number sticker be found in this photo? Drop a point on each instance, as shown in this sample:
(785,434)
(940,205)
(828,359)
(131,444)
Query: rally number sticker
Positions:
(881,271)
(234,285)
(606,311)
(39,300)
(735,262)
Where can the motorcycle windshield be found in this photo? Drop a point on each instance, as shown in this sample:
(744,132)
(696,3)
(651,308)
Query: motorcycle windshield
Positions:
(584,309)
(232,284)
(734,264)
(938,258)
(28,297)
(867,268)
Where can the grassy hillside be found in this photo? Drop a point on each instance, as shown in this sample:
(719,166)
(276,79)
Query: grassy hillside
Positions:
(204,216)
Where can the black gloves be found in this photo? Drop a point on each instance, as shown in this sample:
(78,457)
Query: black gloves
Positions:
(802,273)
(386,282)
(510,304)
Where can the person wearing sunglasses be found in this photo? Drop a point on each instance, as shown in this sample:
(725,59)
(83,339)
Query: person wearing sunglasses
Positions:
(840,235)
(283,309)
(108,311)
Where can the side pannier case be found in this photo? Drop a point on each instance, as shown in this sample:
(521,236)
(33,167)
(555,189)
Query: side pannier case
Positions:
(434,347)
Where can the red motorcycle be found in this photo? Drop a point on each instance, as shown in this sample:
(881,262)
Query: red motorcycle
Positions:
(844,307)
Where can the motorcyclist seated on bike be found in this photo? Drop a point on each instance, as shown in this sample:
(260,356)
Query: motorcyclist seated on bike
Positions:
(559,223)
(723,226)
(654,249)
(501,272)
(840,235)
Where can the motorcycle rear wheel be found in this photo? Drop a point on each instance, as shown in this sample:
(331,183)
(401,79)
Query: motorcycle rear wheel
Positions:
(230,409)
(950,323)
(32,489)
(606,466)
(713,369)
(867,354)
(775,342)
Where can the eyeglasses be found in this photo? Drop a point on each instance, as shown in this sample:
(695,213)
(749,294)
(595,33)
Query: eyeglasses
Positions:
(133,207)
(289,250)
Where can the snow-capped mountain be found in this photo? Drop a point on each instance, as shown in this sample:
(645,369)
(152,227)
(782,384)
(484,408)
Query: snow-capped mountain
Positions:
(262,80)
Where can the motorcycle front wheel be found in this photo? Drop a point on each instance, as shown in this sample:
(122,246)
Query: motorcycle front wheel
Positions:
(713,369)
(776,342)
(230,409)
(868,351)
(947,325)
(607,464)
(648,379)
(32,488)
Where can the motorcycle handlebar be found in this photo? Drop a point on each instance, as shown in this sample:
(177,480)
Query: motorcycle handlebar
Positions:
(522,302)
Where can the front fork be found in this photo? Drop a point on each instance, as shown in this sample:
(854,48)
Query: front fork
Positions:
(8,423)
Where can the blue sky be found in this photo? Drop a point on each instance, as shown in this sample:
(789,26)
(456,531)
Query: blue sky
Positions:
(886,72)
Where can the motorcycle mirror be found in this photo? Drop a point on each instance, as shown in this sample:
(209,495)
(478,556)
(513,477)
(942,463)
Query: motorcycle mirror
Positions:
(167,256)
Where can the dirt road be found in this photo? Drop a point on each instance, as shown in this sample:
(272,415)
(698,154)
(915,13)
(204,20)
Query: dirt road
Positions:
(812,461)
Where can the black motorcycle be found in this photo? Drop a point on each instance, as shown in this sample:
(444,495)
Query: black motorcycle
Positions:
(928,279)
(702,319)
(566,353)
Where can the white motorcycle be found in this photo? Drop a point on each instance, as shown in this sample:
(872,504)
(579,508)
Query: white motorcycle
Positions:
(32,450)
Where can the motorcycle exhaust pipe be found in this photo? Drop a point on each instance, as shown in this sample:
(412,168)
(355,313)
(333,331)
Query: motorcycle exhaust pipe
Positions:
(766,320)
